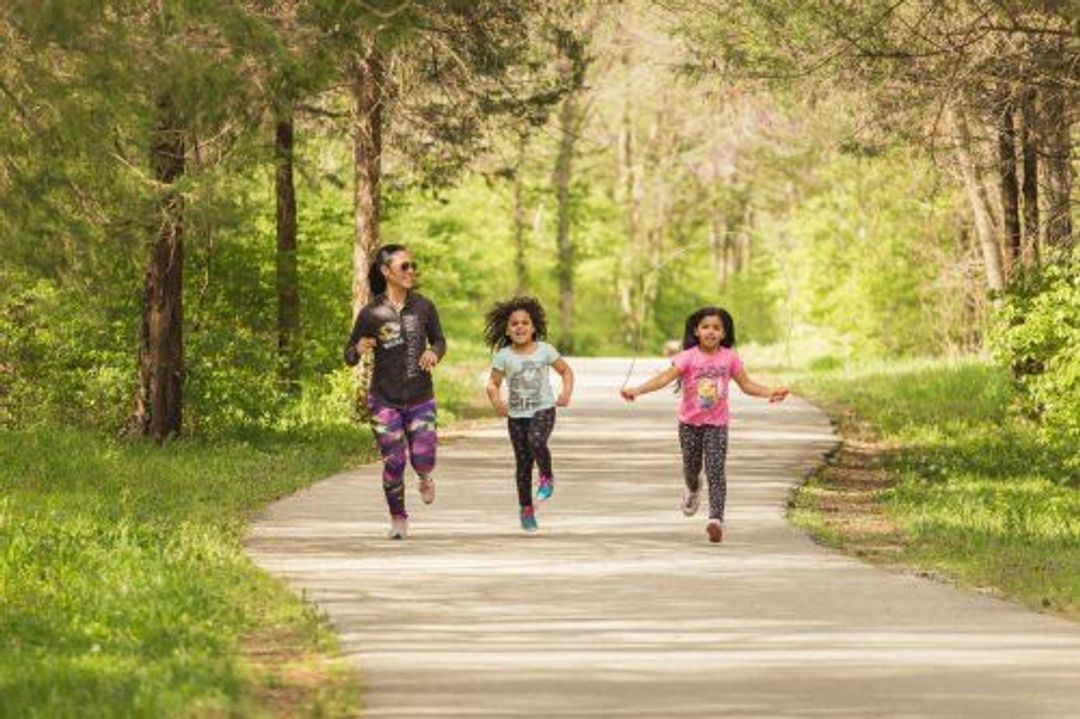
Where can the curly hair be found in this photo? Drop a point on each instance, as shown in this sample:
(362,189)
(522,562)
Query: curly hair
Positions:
(498,317)
(691,340)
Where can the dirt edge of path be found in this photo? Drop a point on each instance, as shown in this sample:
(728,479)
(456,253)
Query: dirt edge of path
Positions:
(841,505)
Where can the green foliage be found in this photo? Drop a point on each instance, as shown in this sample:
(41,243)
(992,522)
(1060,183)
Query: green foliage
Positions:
(65,356)
(123,582)
(979,493)
(1037,335)
(461,240)
(867,260)
(902,398)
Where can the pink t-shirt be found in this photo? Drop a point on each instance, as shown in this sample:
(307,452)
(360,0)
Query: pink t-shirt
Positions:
(705,379)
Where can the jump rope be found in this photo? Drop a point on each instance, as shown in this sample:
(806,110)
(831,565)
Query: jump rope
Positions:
(654,269)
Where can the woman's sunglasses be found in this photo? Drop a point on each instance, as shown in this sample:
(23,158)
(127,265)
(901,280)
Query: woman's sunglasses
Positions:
(408,267)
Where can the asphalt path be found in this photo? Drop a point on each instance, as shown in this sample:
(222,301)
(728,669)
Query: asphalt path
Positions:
(619,607)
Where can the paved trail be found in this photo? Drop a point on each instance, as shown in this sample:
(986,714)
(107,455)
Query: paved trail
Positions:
(620,608)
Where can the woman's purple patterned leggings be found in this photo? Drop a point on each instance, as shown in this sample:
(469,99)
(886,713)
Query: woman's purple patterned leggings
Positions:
(397,429)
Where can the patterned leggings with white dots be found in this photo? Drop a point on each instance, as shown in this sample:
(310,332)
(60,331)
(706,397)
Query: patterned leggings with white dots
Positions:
(708,442)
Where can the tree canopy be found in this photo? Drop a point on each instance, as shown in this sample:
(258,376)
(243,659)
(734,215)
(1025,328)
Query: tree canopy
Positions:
(875,178)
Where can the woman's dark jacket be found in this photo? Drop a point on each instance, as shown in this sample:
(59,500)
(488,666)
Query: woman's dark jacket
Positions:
(400,340)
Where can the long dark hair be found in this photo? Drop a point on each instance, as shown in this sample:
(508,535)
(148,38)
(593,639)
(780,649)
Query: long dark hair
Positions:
(375,278)
(499,316)
(690,340)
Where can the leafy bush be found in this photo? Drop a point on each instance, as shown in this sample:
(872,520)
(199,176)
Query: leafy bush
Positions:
(1037,334)
(64,356)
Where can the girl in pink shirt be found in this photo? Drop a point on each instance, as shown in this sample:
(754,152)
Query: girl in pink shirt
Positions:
(704,368)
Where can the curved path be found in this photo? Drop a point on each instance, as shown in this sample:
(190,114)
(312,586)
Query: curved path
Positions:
(620,608)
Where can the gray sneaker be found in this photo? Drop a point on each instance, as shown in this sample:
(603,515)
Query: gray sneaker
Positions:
(399,528)
(690,502)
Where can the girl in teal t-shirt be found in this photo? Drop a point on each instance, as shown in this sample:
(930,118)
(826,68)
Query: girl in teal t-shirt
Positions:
(515,331)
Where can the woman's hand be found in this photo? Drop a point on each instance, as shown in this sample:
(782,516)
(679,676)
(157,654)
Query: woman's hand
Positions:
(365,345)
(563,400)
(628,393)
(428,360)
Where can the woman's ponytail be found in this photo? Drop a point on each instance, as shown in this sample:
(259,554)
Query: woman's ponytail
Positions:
(376,279)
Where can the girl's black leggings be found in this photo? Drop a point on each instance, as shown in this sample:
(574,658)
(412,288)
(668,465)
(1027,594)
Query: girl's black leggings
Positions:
(709,443)
(529,436)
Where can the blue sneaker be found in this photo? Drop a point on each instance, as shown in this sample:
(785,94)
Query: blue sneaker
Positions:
(528,519)
(545,488)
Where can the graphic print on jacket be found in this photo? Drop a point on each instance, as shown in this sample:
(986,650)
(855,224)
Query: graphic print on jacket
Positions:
(413,350)
(390,335)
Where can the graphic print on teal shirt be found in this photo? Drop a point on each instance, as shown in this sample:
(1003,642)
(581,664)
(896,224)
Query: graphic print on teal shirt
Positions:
(527,386)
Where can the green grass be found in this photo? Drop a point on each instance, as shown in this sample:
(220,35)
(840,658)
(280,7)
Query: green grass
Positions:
(461,390)
(979,495)
(124,590)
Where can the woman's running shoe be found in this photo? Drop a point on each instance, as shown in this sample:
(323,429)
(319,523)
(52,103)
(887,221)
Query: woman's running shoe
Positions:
(427,489)
(399,528)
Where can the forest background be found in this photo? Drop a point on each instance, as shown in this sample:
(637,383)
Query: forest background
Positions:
(191,191)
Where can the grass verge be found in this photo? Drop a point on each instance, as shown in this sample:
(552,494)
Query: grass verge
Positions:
(124,587)
(936,474)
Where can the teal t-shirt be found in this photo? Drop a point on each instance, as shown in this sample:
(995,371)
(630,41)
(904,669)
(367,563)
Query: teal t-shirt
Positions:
(527,378)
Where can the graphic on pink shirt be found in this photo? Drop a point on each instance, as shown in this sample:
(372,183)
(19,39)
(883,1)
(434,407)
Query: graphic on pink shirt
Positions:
(709,388)
(705,380)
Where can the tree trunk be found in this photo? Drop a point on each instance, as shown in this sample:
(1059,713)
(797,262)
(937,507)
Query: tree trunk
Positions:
(718,240)
(628,279)
(572,66)
(651,281)
(367,94)
(564,270)
(367,91)
(739,241)
(978,198)
(1009,188)
(745,237)
(289,347)
(657,191)
(520,268)
(1057,141)
(1029,252)
(159,401)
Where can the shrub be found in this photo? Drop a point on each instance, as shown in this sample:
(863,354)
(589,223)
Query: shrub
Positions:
(1037,334)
